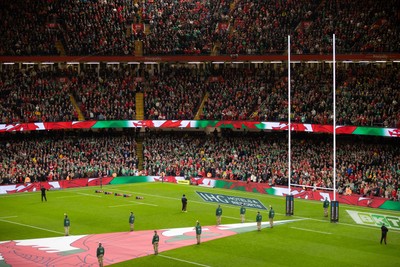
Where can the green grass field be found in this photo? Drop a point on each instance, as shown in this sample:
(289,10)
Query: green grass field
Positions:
(313,241)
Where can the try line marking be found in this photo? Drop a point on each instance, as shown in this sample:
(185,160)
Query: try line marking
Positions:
(191,262)
(314,231)
(31,226)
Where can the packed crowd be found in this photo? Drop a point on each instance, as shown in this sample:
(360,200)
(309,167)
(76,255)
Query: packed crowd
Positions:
(66,155)
(107,95)
(111,27)
(25,28)
(175,93)
(262,27)
(364,166)
(359,26)
(96,27)
(367,95)
(44,95)
(31,95)
(186,27)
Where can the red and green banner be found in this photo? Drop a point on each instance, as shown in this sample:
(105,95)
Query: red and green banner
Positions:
(82,182)
(250,125)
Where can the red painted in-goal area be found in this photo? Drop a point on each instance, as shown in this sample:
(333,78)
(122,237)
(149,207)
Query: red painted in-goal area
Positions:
(80,250)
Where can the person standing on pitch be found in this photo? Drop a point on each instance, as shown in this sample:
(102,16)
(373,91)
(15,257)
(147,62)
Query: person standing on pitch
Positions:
(155,241)
(384,233)
(271,216)
(67,224)
(184,203)
(326,206)
(132,221)
(100,254)
(198,232)
(242,213)
(218,213)
(259,220)
(43,190)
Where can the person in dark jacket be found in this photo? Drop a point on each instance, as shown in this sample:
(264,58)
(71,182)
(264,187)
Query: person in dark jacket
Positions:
(384,233)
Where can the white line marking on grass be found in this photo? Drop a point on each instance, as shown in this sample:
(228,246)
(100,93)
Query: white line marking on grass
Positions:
(19,194)
(349,224)
(231,217)
(141,203)
(119,205)
(66,196)
(309,230)
(191,262)
(31,226)
(8,217)
(122,205)
(88,195)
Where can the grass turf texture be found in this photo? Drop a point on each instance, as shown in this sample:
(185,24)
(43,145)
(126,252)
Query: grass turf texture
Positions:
(310,242)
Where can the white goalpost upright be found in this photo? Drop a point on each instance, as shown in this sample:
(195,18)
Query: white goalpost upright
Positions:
(334,203)
(289,197)
(334,116)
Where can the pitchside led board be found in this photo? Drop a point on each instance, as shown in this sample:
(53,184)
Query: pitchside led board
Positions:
(233,200)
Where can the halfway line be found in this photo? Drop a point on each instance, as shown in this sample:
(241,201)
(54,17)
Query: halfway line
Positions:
(31,226)
(303,229)
(176,259)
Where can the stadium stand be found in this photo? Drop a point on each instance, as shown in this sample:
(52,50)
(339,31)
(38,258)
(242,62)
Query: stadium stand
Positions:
(129,27)
(365,165)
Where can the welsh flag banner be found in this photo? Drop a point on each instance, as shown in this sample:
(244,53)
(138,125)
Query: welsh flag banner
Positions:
(230,124)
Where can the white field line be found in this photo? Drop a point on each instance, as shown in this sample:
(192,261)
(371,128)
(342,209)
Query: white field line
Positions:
(116,206)
(31,226)
(8,217)
(67,196)
(142,203)
(123,205)
(190,262)
(21,194)
(349,224)
(309,230)
(236,218)
(88,195)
